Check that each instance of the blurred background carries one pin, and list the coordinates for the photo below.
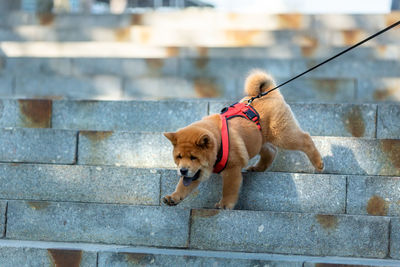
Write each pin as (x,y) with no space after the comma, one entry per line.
(160,49)
(282,6)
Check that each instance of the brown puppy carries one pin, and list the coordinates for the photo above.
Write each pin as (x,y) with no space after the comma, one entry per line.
(196,146)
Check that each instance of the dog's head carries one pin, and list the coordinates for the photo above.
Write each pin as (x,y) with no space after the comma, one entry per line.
(194,152)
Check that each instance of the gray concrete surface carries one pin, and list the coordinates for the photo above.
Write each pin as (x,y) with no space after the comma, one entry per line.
(290,233)
(97,223)
(100,184)
(37,145)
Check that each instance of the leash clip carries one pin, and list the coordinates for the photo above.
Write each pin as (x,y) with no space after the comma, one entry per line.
(252,99)
(249,102)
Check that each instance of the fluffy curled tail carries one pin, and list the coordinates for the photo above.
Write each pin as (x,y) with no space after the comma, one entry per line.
(258,82)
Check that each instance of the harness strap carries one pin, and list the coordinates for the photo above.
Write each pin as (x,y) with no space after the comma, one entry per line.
(227,113)
(223,153)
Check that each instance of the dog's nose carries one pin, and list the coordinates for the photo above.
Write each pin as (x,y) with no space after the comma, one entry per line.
(184,171)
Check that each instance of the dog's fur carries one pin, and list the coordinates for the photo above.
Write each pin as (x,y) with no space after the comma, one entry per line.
(196,146)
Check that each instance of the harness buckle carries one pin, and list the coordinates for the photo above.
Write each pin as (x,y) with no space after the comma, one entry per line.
(250,114)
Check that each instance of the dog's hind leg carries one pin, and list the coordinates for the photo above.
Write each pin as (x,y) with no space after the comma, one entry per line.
(299,140)
(267,156)
(232,180)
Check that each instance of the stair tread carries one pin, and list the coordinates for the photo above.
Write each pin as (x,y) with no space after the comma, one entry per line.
(35,250)
(342,155)
(269,191)
(319,119)
(210,229)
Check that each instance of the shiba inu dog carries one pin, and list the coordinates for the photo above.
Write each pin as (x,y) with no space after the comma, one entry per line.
(199,147)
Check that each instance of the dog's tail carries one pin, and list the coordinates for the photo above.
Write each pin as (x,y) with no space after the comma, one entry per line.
(258,82)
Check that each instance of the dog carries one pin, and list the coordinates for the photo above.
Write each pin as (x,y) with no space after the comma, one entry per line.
(196,147)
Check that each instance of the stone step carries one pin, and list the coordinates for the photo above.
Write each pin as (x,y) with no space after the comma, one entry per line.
(32,256)
(202,18)
(96,184)
(268,191)
(196,67)
(291,233)
(98,223)
(38,145)
(123,50)
(18,253)
(359,120)
(341,80)
(303,193)
(246,231)
(112,87)
(342,155)
(207,36)
(104,184)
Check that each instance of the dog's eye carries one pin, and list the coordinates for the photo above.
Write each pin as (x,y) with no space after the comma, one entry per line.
(179,156)
(193,158)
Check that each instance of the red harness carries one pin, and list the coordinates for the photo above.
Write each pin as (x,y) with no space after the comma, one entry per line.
(227,113)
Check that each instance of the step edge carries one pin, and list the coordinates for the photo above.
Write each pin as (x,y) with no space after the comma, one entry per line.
(103,248)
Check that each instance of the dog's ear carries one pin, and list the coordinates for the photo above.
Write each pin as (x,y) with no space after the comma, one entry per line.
(171,137)
(204,141)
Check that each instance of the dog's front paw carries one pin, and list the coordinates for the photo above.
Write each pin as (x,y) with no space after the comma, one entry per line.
(225,205)
(171,200)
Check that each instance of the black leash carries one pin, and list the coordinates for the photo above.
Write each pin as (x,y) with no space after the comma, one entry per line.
(326,61)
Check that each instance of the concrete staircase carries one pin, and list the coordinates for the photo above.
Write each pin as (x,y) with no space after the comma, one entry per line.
(92,178)
(82,180)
